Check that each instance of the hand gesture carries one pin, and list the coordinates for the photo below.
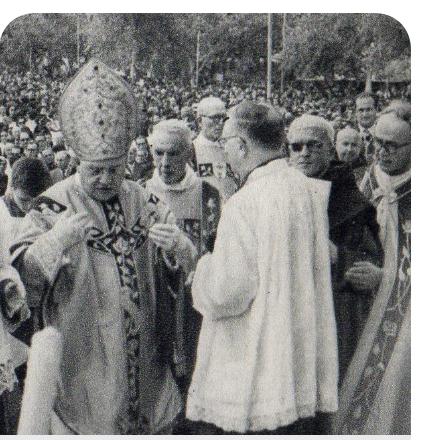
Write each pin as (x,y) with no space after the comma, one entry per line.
(71,228)
(166,236)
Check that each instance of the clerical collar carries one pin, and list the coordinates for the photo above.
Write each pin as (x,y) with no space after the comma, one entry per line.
(261,165)
(187,181)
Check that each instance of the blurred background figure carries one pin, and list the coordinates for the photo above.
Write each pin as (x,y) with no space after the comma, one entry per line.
(49,160)
(62,159)
(4,178)
(31,150)
(143,166)
(349,150)
(365,108)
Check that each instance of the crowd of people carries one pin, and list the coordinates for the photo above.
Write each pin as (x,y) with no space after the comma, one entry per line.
(202,261)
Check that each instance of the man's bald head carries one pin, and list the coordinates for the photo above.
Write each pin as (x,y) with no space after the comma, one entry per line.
(212,114)
(261,123)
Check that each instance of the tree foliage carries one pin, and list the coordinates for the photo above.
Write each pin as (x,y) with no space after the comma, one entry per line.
(165,45)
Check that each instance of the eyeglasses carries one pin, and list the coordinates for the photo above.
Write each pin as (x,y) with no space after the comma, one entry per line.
(217,118)
(298,147)
(223,141)
(389,146)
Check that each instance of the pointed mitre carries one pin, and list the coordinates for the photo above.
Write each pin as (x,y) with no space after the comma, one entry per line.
(98,113)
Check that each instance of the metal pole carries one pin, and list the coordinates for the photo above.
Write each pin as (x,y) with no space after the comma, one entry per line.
(269,59)
(197,57)
(78,39)
(30,58)
(283,53)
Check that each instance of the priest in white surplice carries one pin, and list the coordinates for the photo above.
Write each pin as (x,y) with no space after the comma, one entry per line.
(267,354)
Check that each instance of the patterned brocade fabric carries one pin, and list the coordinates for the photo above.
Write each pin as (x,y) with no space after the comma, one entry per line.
(121,243)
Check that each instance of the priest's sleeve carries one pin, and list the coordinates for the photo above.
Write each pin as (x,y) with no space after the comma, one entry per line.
(225,282)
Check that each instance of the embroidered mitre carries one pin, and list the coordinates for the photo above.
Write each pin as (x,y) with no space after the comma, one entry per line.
(98,113)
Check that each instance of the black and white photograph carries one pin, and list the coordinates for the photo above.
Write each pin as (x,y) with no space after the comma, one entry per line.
(205,224)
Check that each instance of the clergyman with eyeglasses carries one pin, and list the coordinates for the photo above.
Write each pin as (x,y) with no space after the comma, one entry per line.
(377,387)
(358,256)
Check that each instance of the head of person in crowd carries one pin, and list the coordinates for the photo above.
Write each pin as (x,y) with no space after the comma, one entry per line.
(62,160)
(171,145)
(3,165)
(101,139)
(253,134)
(212,113)
(310,144)
(348,145)
(39,138)
(15,154)
(3,136)
(365,107)
(31,150)
(15,131)
(392,140)
(12,111)
(30,178)
(401,108)
(131,155)
(48,157)
(8,150)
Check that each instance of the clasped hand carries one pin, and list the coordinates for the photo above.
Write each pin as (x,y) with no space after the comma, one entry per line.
(364,275)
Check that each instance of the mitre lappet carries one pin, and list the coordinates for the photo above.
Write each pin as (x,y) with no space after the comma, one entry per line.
(98,113)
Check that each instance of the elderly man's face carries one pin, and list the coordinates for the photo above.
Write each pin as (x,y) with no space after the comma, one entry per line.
(366,112)
(102,180)
(212,125)
(348,147)
(170,158)
(310,152)
(48,156)
(3,136)
(393,151)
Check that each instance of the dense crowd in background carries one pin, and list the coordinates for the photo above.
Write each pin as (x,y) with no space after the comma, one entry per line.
(29,124)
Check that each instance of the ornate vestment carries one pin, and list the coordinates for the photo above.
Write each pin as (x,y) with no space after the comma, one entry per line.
(375,397)
(102,295)
(196,206)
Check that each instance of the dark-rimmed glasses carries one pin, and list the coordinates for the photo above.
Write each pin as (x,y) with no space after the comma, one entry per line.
(217,117)
(389,146)
(298,147)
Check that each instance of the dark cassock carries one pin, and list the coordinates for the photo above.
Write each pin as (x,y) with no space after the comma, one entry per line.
(354,231)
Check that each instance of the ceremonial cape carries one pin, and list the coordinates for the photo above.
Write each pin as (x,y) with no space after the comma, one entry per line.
(375,396)
(102,297)
(212,166)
